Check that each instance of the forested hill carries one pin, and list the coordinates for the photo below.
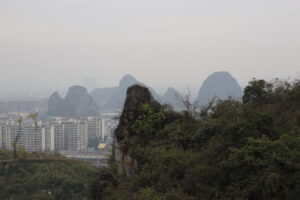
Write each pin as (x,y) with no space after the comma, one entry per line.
(36,176)
(247,150)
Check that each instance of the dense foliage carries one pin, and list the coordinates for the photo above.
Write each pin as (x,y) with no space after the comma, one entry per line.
(235,150)
(36,176)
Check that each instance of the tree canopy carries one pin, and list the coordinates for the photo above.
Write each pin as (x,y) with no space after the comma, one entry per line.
(247,150)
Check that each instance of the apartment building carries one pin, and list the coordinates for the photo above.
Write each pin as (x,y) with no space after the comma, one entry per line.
(55,134)
(94,130)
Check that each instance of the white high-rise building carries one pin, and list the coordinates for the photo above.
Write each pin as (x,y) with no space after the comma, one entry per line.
(56,134)
(5,138)
(28,137)
(2,139)
(94,130)
(33,138)
(14,133)
(49,138)
(70,130)
(76,135)
(82,135)
(59,137)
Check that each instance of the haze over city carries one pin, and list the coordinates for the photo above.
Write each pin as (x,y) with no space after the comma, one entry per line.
(50,45)
(156,99)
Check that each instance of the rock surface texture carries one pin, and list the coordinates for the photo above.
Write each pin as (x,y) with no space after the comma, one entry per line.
(136,97)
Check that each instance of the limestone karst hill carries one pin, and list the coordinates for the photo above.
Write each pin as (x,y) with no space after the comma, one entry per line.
(221,85)
(77,103)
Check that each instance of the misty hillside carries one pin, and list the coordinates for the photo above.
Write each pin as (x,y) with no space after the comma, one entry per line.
(77,103)
(103,95)
(116,96)
(220,85)
(173,98)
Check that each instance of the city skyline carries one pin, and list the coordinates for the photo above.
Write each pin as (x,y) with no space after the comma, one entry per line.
(56,134)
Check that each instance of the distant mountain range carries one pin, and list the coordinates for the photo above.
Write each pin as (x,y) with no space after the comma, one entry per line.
(79,103)
(219,84)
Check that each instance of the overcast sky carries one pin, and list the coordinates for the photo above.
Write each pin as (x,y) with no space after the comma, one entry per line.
(51,44)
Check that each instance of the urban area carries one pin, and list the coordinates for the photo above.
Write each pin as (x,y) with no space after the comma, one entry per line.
(87,138)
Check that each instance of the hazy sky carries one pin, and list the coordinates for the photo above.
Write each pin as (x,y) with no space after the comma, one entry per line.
(51,44)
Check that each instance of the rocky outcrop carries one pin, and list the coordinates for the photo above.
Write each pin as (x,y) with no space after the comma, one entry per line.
(77,103)
(116,101)
(220,85)
(136,97)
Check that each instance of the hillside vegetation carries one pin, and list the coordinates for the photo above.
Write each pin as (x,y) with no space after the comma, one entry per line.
(36,176)
(231,150)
